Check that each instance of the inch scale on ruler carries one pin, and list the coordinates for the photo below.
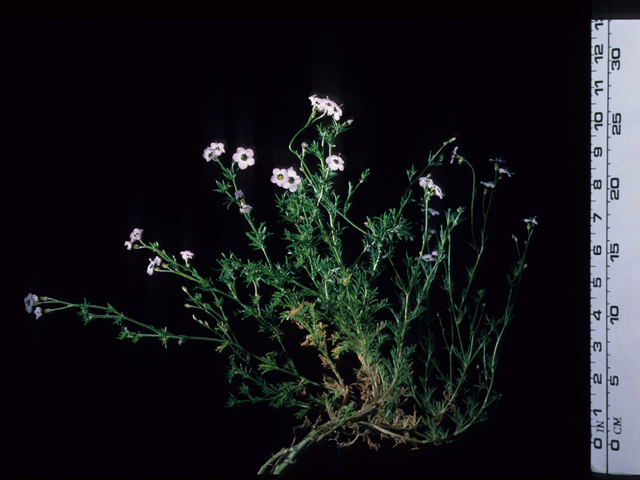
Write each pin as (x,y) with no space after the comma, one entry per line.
(615,246)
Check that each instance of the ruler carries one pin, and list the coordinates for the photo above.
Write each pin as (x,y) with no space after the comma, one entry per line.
(615,246)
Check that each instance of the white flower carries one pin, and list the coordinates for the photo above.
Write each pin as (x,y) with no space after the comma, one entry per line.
(429,257)
(214,151)
(218,149)
(488,184)
(335,162)
(244,157)
(280,177)
(326,105)
(29,301)
(135,235)
(426,182)
(38,312)
(293,180)
(531,220)
(186,255)
(155,262)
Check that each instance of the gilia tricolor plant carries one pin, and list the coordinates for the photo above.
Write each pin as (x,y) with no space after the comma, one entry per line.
(414,367)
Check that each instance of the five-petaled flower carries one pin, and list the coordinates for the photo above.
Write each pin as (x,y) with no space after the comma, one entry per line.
(293,180)
(531,220)
(239,194)
(135,235)
(488,184)
(186,255)
(29,301)
(244,157)
(506,172)
(153,264)
(245,208)
(280,177)
(335,162)
(214,151)
(38,312)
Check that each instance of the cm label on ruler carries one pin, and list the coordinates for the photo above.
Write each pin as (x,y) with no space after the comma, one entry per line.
(615,247)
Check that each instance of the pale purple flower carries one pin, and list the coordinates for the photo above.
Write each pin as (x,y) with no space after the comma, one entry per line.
(429,257)
(326,105)
(135,235)
(293,180)
(496,160)
(488,184)
(531,220)
(239,194)
(315,101)
(246,208)
(186,255)
(128,244)
(331,107)
(29,301)
(426,182)
(506,172)
(280,177)
(153,264)
(454,154)
(433,212)
(336,112)
(335,162)
(218,148)
(38,312)
(244,157)
(214,151)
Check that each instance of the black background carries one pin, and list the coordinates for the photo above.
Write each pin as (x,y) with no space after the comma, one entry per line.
(105,124)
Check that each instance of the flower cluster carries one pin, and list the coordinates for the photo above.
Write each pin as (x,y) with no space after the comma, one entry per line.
(213,152)
(426,182)
(326,105)
(243,156)
(29,302)
(501,170)
(428,257)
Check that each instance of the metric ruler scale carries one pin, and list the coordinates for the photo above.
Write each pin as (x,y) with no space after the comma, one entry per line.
(615,246)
